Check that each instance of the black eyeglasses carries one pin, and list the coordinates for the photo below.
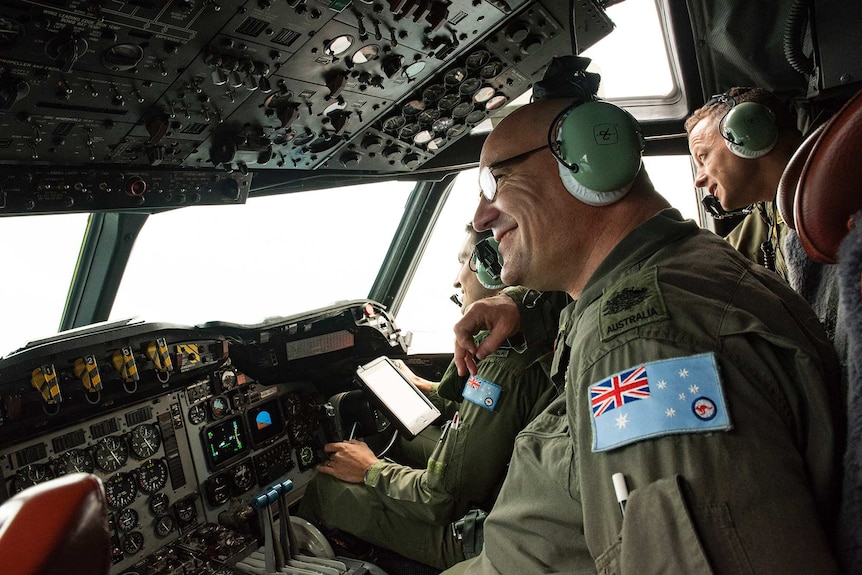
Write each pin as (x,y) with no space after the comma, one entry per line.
(487,179)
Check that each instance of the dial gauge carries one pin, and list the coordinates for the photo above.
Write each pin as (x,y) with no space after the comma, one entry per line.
(152,475)
(133,542)
(111,453)
(300,430)
(219,406)
(145,440)
(30,475)
(392,124)
(197,414)
(228,380)
(242,477)
(159,504)
(120,490)
(127,519)
(76,461)
(164,525)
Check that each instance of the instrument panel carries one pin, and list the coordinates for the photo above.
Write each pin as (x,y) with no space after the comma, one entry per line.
(183,451)
(146,104)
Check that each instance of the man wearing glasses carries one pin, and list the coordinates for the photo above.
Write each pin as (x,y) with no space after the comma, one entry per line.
(700,427)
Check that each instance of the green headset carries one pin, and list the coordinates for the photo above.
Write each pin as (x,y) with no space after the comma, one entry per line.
(749,129)
(489,263)
(598,147)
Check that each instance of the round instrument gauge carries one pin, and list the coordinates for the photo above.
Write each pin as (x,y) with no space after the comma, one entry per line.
(30,475)
(152,475)
(197,414)
(219,406)
(120,490)
(76,461)
(478,59)
(442,125)
(490,70)
(111,453)
(306,456)
(433,93)
(228,380)
(462,109)
(408,131)
(469,86)
(412,108)
(218,489)
(300,430)
(133,542)
(293,402)
(163,526)
(455,77)
(429,115)
(186,510)
(145,440)
(448,102)
(127,519)
(393,124)
(159,504)
(242,477)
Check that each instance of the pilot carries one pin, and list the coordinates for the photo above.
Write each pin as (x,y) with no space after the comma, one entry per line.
(741,142)
(412,511)
(699,429)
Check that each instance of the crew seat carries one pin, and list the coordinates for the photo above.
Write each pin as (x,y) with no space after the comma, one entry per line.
(820,196)
(59,527)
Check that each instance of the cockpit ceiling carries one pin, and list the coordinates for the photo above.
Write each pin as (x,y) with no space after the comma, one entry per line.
(254,84)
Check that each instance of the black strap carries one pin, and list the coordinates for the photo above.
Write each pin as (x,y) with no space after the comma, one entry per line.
(473,533)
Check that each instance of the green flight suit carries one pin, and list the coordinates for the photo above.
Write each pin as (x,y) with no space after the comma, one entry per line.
(759,497)
(410,510)
(753,230)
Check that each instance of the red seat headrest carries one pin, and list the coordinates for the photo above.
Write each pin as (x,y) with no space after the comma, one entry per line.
(59,527)
(829,192)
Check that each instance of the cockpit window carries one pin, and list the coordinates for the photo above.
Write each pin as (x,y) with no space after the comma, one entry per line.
(273,256)
(39,258)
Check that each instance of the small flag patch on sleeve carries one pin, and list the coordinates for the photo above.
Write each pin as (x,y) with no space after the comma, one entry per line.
(482,392)
(680,395)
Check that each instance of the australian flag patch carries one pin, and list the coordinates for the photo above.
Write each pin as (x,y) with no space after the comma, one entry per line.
(482,392)
(681,395)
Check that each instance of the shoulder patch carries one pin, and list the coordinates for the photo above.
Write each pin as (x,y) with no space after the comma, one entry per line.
(681,395)
(482,392)
(631,302)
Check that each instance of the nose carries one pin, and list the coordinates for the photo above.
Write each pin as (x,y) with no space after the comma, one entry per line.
(484,215)
(700,178)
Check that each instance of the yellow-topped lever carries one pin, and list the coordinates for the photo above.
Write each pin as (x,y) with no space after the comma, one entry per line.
(158,353)
(87,370)
(45,380)
(124,362)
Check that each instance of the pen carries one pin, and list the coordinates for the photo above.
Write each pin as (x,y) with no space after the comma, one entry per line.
(622,491)
(353,431)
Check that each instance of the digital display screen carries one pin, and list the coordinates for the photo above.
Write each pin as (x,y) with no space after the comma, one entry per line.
(264,421)
(225,441)
(404,404)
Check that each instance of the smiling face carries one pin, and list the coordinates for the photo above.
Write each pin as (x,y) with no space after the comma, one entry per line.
(532,215)
(736,182)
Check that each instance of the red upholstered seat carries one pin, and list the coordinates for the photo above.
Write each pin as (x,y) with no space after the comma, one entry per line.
(56,527)
(829,191)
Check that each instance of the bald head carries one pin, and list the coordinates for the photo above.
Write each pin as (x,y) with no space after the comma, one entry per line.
(524,129)
(549,239)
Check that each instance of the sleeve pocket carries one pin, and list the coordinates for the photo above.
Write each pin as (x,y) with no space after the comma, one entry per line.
(658,535)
